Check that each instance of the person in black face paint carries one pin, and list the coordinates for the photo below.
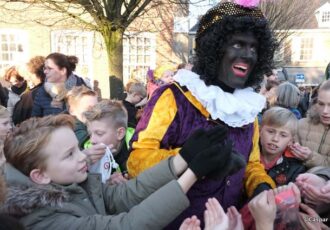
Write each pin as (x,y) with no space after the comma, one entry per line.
(234,48)
(239,59)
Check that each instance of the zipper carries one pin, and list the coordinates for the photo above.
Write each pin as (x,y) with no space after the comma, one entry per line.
(323,139)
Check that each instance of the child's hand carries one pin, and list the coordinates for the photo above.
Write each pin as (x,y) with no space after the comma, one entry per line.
(235,219)
(306,217)
(214,216)
(95,153)
(316,195)
(301,152)
(192,223)
(263,208)
(310,186)
(325,193)
(311,179)
(116,178)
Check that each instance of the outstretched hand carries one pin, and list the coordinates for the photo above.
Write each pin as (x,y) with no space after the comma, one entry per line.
(306,217)
(263,209)
(214,216)
(202,139)
(192,223)
(311,187)
(216,219)
(234,162)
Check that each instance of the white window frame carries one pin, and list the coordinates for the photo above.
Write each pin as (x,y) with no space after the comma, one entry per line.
(85,54)
(297,49)
(133,66)
(306,53)
(19,42)
(325,18)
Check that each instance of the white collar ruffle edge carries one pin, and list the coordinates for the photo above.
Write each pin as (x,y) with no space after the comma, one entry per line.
(235,109)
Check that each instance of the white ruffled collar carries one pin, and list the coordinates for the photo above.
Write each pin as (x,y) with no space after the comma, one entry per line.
(235,109)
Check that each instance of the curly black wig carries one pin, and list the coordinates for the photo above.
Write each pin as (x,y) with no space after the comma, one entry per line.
(211,45)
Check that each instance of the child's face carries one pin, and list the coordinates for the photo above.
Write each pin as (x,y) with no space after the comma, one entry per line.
(5,127)
(65,163)
(102,131)
(274,141)
(167,76)
(323,106)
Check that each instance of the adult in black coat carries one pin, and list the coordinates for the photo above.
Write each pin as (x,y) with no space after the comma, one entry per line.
(23,108)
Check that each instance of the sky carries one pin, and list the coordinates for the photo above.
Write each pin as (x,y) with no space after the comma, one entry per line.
(199,7)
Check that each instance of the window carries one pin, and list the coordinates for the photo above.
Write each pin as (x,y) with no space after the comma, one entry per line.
(326,16)
(75,43)
(139,54)
(12,47)
(306,49)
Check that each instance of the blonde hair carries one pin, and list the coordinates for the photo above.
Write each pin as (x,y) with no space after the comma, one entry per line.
(325,85)
(23,148)
(313,113)
(112,109)
(4,113)
(280,117)
(77,92)
(288,95)
(159,71)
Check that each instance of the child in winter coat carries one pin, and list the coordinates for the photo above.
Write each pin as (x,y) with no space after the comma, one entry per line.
(49,188)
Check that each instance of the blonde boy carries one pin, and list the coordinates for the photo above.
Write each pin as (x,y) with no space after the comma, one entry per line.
(278,130)
(48,185)
(5,123)
(107,124)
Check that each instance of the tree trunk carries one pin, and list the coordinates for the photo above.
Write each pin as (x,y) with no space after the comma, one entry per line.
(114,47)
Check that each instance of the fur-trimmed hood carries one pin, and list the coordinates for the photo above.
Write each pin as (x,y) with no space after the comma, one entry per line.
(23,196)
(313,115)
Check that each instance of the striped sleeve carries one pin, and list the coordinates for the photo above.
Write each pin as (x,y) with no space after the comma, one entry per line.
(146,151)
(255,173)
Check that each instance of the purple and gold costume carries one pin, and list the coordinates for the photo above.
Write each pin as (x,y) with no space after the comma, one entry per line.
(170,117)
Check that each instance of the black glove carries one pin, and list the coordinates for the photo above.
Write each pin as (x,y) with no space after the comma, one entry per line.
(233,165)
(208,161)
(201,140)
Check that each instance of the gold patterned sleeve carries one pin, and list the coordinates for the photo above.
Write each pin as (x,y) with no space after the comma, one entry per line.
(255,173)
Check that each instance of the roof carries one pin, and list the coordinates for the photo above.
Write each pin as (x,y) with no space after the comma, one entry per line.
(193,29)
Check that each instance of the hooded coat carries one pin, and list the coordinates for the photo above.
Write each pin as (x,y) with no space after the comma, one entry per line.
(314,135)
(150,201)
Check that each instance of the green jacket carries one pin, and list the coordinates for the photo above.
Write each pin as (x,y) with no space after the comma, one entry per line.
(150,201)
(81,133)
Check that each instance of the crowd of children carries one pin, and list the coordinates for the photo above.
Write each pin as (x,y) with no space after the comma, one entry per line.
(197,148)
